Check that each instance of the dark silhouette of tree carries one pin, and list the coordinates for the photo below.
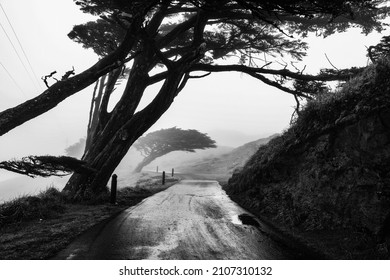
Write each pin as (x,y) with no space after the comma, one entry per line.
(46,166)
(177,39)
(382,49)
(164,141)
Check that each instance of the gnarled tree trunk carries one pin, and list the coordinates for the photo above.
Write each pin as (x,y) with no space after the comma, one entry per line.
(123,127)
(148,159)
(143,163)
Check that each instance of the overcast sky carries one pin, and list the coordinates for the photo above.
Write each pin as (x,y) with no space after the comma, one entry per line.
(220,102)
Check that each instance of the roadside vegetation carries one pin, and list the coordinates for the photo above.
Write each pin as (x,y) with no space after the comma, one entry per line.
(325,180)
(38,227)
(363,95)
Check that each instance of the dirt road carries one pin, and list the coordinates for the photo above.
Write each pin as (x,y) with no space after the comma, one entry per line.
(193,219)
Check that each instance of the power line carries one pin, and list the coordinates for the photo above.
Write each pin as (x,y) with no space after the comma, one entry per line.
(20,59)
(12,78)
(26,57)
(21,47)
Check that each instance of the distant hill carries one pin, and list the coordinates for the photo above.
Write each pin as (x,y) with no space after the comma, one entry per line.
(225,163)
(215,163)
(179,159)
(232,138)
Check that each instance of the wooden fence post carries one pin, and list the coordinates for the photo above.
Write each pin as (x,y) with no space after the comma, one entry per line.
(113,188)
(173,171)
(163,178)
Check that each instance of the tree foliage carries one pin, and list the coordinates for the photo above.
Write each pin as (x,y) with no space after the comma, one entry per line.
(103,36)
(382,49)
(46,166)
(164,141)
(246,29)
(260,34)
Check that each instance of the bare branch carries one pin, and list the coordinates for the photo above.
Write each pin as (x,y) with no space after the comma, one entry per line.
(158,78)
(279,86)
(298,108)
(265,65)
(44,78)
(200,76)
(183,82)
(68,74)
(331,62)
(303,69)
(343,74)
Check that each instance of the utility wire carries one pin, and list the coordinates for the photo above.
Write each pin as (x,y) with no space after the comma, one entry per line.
(21,47)
(20,59)
(12,78)
(25,55)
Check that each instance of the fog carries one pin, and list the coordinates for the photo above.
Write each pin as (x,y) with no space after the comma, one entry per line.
(232,108)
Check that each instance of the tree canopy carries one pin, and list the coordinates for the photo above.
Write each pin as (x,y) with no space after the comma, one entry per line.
(240,28)
(382,49)
(257,33)
(164,141)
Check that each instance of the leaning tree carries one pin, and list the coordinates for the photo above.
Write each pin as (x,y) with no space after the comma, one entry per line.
(164,141)
(169,42)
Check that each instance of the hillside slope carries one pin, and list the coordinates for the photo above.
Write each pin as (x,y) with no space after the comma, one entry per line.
(226,163)
(180,159)
(326,181)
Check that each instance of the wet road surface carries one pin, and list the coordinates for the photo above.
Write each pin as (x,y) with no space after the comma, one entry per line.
(193,219)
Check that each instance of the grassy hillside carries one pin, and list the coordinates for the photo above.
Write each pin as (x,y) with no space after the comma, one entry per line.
(326,180)
(226,163)
(24,185)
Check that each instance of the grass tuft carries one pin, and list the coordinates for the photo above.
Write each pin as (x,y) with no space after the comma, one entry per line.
(47,204)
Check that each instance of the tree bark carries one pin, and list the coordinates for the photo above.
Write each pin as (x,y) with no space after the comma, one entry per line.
(124,126)
(94,110)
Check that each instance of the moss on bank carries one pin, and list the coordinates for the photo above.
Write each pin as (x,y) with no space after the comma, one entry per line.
(326,180)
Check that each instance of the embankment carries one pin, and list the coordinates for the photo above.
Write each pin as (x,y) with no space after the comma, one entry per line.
(326,180)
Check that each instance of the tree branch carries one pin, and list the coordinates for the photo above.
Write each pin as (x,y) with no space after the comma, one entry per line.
(200,76)
(343,74)
(13,117)
(331,62)
(45,166)
(109,89)
(278,85)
